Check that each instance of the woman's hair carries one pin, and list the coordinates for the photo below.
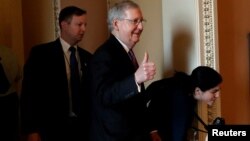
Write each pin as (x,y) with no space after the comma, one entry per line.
(205,78)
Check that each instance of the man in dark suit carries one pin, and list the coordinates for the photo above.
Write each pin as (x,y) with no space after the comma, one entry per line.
(49,111)
(118,102)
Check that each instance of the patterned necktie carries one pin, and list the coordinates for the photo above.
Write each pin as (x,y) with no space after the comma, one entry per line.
(74,81)
(133,59)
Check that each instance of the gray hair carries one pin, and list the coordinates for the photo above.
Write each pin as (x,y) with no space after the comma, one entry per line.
(118,11)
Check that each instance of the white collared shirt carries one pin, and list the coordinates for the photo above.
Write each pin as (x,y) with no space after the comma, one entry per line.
(66,51)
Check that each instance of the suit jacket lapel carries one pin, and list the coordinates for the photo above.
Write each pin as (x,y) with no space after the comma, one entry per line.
(121,52)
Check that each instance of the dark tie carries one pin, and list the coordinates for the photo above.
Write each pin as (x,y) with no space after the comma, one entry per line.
(135,63)
(133,59)
(74,81)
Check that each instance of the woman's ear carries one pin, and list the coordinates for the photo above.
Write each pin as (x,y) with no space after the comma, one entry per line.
(197,93)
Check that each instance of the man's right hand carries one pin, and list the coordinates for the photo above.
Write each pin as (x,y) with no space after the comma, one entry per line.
(146,70)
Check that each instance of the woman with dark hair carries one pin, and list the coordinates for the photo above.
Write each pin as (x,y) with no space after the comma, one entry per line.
(173,102)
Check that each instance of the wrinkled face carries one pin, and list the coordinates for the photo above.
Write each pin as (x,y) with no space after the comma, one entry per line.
(73,31)
(208,96)
(129,28)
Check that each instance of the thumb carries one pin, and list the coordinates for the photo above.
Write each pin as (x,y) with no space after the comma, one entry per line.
(145,59)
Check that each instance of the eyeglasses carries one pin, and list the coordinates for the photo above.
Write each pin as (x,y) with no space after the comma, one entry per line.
(135,21)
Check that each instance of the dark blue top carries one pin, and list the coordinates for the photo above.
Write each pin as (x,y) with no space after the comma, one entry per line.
(171,108)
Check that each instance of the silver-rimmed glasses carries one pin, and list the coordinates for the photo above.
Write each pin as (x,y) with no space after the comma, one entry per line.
(135,21)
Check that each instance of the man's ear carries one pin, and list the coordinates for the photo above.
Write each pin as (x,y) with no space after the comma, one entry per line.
(115,23)
(64,23)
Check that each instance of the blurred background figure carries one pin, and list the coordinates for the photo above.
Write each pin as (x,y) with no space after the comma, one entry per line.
(10,74)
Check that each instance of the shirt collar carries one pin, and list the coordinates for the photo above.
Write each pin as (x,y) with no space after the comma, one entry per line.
(123,45)
(66,46)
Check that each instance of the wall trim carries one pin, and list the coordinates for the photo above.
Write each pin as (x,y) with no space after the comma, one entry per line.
(208,52)
(56,7)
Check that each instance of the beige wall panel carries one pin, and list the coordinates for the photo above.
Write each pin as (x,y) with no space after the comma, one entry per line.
(11,33)
(38,23)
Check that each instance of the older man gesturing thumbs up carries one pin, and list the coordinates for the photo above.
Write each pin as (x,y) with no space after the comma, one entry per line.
(118,100)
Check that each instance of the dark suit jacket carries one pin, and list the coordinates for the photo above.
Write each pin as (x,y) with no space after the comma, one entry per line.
(45,97)
(118,107)
(171,107)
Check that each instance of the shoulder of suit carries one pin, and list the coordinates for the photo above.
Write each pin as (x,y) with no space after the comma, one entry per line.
(86,52)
